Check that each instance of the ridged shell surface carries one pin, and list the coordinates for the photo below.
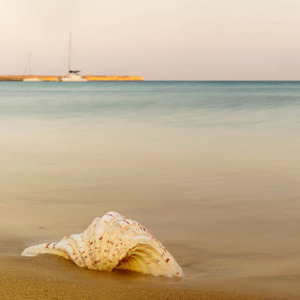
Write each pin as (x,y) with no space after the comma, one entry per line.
(113,242)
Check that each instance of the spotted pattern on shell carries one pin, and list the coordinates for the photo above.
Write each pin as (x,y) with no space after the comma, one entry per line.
(113,242)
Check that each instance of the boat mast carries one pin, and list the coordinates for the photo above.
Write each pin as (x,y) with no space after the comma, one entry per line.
(70,44)
(30,64)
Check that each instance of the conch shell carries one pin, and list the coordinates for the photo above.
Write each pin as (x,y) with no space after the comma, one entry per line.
(113,242)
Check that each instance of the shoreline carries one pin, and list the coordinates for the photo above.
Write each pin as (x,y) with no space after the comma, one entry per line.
(47,276)
(57,78)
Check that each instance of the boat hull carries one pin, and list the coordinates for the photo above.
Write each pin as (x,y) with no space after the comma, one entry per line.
(73,79)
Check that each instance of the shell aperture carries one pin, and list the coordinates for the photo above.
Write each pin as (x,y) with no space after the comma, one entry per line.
(113,242)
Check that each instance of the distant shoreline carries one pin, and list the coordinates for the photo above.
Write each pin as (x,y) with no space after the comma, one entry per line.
(57,78)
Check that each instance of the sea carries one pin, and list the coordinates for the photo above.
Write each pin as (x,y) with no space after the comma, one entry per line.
(212,169)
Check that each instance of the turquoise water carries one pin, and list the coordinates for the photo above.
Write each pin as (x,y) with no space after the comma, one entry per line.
(208,167)
(192,122)
(198,105)
(157,98)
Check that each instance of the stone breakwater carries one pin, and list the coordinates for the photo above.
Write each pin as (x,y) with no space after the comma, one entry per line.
(57,78)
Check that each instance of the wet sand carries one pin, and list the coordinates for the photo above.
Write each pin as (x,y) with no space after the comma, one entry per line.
(222,255)
(56,278)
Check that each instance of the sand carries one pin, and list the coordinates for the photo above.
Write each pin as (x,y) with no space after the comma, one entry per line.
(55,278)
(208,274)
(228,249)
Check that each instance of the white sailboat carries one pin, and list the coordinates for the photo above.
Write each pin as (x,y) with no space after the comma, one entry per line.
(73,75)
(29,69)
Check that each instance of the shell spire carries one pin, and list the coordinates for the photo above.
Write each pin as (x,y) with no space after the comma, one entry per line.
(114,242)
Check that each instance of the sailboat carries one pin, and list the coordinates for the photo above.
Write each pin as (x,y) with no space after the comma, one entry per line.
(29,67)
(73,75)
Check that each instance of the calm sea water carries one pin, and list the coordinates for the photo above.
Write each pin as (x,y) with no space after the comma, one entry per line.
(149,99)
(211,168)
(272,108)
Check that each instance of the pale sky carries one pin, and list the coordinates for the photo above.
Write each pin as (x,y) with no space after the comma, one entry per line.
(157,39)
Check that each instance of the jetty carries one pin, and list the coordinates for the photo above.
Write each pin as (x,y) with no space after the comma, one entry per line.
(59,78)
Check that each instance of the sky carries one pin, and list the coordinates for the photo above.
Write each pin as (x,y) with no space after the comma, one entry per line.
(156,39)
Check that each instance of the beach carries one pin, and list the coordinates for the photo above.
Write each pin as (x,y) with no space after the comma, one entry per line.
(210,169)
(55,278)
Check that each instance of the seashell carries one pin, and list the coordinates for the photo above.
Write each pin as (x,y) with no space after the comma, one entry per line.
(113,242)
